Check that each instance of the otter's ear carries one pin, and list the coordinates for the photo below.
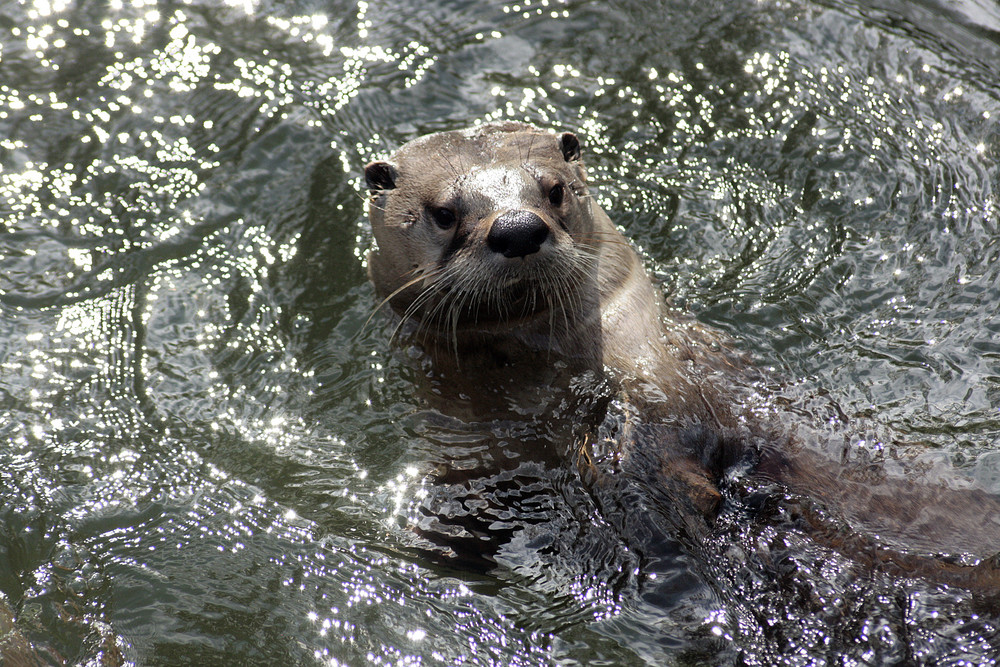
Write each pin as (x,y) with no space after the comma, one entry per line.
(570,146)
(380,176)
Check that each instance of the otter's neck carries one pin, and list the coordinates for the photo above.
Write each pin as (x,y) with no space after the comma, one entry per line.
(636,353)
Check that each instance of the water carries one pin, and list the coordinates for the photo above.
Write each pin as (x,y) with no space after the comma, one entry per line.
(208,457)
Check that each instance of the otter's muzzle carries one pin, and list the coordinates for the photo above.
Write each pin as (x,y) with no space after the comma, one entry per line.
(517,234)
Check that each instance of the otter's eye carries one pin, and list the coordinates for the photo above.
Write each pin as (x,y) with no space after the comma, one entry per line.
(556,195)
(443,217)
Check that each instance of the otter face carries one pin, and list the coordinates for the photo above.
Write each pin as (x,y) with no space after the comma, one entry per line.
(481,226)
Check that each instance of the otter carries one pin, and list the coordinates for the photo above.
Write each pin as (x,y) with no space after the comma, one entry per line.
(500,264)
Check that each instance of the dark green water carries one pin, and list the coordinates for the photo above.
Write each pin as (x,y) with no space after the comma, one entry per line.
(206,457)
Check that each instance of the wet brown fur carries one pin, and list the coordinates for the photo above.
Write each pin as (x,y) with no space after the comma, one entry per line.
(495,326)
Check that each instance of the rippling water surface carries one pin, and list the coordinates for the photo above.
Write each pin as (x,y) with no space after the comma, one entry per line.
(208,457)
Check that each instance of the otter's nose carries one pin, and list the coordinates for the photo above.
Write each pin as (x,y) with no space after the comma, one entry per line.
(517,234)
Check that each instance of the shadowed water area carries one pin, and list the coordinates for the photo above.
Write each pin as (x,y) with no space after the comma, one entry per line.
(212,453)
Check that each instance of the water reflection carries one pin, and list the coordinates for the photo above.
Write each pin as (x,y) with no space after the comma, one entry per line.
(207,456)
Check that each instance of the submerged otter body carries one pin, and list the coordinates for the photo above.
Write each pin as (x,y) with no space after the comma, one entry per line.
(492,251)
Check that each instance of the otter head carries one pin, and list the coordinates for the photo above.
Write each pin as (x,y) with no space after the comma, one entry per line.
(483,228)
